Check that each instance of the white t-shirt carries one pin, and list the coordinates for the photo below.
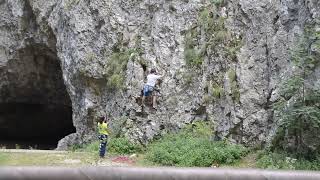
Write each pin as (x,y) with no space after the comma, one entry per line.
(152,79)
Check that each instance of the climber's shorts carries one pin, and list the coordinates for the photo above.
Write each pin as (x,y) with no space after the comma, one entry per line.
(147,90)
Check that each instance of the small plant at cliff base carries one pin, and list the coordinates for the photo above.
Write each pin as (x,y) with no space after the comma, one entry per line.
(116,68)
(192,147)
(299,106)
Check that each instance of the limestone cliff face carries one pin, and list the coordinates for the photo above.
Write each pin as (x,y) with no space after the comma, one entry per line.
(106,47)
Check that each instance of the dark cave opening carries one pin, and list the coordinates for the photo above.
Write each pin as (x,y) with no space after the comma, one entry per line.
(36,126)
(35,108)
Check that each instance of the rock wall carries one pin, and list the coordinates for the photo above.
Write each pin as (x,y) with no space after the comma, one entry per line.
(271,30)
(88,36)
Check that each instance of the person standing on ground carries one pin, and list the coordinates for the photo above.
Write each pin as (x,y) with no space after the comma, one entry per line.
(148,88)
(103,135)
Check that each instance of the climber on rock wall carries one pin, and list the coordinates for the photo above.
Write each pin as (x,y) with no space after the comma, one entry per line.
(149,87)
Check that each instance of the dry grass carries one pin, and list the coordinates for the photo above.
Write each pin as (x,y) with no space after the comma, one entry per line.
(79,159)
(69,159)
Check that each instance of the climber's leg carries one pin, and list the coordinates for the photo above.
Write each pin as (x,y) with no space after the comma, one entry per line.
(143,99)
(154,101)
(145,93)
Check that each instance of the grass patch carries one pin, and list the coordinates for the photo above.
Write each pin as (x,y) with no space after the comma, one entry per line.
(3,158)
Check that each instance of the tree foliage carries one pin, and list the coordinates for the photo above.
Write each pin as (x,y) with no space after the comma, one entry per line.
(298,109)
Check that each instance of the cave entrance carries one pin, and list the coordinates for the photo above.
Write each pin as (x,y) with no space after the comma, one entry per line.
(35,108)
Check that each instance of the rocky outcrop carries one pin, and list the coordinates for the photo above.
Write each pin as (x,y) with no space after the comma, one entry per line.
(105,49)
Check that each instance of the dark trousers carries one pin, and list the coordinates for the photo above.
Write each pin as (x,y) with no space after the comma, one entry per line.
(103,144)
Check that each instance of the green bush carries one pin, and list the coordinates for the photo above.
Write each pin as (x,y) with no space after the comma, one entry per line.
(201,152)
(193,147)
(123,146)
(268,160)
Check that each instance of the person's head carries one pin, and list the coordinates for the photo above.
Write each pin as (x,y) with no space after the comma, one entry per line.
(101,119)
(153,71)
